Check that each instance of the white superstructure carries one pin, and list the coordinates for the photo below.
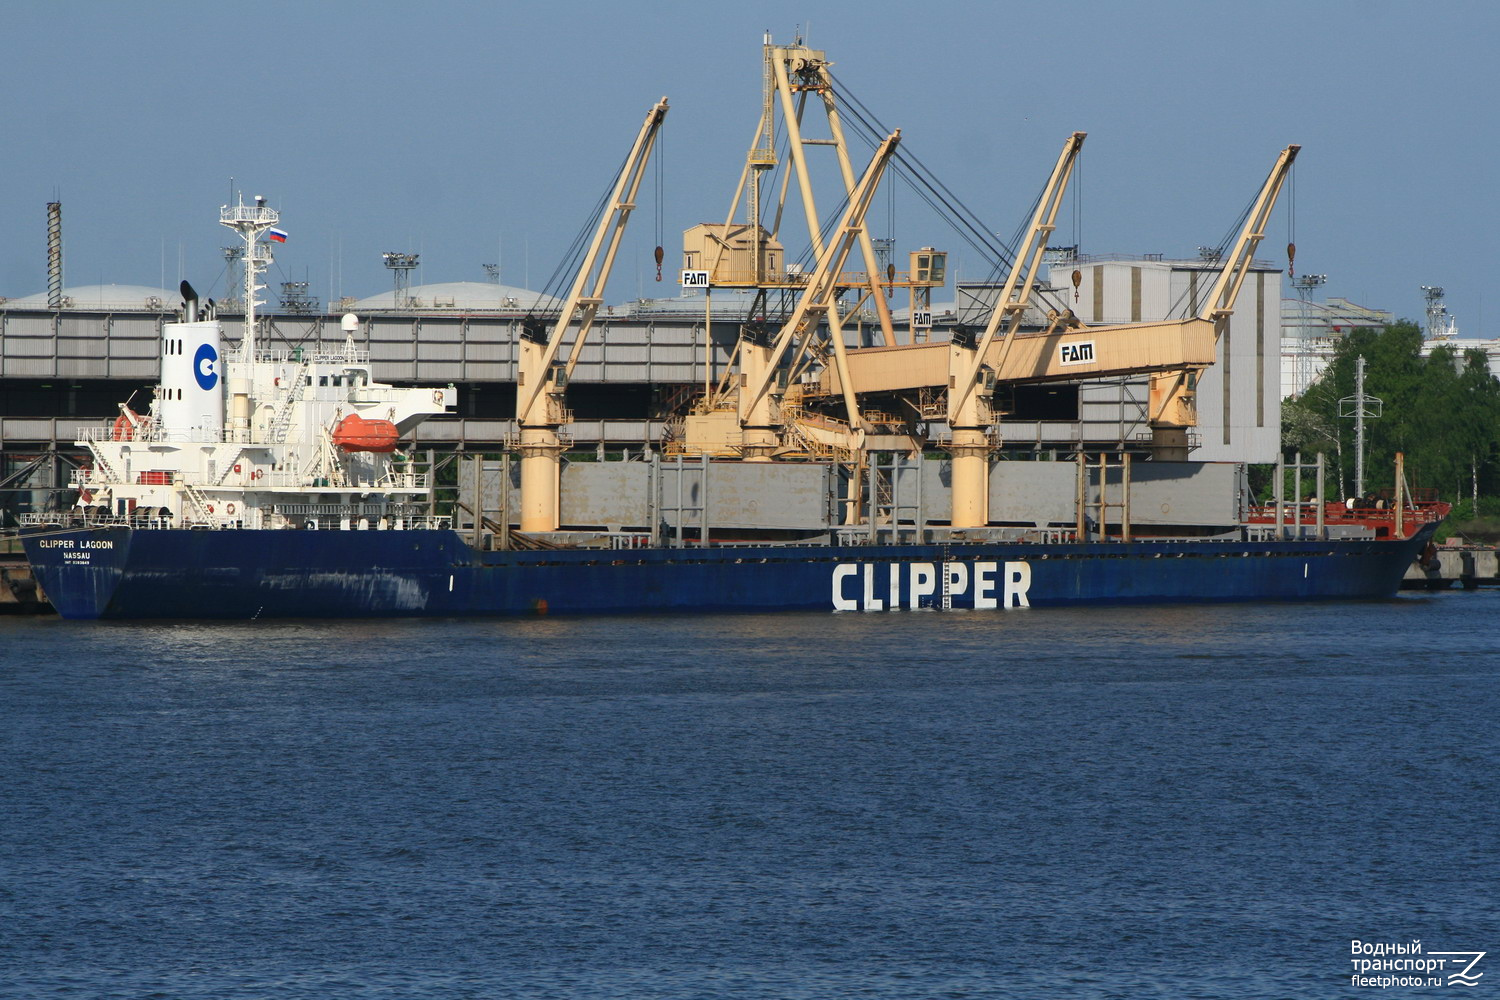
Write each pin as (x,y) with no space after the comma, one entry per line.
(241,436)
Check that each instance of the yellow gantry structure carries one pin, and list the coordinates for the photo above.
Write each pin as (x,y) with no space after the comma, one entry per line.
(971,380)
(757,414)
(759,363)
(750,254)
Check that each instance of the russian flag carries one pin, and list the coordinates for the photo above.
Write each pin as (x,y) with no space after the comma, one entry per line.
(277,236)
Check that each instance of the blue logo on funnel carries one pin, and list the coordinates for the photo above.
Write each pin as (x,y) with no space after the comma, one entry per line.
(203,367)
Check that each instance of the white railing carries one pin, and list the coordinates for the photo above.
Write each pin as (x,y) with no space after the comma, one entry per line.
(248,213)
(86,518)
(381,394)
(406,481)
(297,356)
(104,433)
(267,479)
(154,433)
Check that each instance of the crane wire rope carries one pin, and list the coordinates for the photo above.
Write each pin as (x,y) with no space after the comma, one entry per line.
(567,268)
(917,176)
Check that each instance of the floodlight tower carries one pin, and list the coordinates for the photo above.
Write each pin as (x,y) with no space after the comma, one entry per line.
(54,255)
(1440,326)
(251,222)
(401,265)
(1304,284)
(295,298)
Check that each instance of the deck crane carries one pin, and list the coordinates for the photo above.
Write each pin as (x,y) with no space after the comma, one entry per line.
(971,383)
(1172,352)
(1173,407)
(541,379)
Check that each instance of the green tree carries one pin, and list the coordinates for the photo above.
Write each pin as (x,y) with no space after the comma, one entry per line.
(1441,411)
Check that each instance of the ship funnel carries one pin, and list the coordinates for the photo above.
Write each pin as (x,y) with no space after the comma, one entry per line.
(190,398)
(189,303)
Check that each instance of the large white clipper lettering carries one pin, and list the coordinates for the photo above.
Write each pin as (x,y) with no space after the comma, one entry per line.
(887,586)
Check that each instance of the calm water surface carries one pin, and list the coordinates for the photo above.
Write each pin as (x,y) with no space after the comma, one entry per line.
(1182,802)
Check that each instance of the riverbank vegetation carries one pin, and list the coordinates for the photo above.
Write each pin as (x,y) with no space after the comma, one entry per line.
(1442,411)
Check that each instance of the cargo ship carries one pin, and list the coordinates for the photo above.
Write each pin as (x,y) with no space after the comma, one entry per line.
(817,475)
(274,484)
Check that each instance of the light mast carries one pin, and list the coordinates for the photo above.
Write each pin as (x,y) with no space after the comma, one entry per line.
(1440,325)
(251,222)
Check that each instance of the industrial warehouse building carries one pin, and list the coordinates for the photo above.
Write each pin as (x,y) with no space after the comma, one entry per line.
(71,362)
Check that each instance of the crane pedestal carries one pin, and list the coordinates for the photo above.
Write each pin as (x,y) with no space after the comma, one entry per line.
(1169,444)
(759,444)
(541,478)
(971,477)
(1174,411)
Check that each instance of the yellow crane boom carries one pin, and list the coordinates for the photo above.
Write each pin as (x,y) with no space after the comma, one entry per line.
(540,380)
(971,380)
(1171,351)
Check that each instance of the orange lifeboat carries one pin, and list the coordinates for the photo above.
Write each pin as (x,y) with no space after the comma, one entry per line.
(355,433)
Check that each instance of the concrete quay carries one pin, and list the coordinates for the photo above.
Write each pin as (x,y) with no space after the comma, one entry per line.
(1466,566)
(19,593)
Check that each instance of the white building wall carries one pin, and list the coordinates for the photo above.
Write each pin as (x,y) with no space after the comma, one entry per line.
(1239,419)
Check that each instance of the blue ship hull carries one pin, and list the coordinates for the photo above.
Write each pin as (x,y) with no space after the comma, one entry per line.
(125,573)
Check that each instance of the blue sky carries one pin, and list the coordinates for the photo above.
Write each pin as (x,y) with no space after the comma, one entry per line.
(477,132)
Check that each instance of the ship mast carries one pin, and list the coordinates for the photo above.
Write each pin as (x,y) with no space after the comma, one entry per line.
(251,222)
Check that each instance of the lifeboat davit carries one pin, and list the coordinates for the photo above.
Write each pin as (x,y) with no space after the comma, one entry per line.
(355,433)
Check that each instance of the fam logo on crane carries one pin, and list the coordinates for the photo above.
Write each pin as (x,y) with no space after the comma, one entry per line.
(1077,352)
